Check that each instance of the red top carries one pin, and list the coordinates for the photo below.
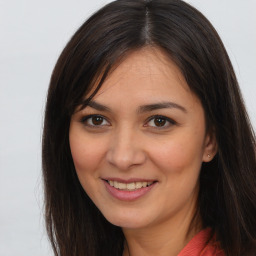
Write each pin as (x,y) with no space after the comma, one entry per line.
(200,245)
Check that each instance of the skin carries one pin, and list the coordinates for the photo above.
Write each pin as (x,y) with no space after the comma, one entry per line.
(129,143)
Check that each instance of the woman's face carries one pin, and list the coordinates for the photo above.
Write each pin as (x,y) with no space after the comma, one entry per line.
(138,147)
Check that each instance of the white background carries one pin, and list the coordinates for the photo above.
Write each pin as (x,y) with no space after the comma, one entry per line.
(32,35)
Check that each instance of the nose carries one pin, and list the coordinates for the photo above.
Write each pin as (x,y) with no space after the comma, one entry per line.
(126,149)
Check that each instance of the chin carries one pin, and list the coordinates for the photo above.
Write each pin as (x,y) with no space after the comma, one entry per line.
(127,223)
(130,220)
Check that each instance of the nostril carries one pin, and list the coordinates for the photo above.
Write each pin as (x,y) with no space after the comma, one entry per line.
(125,157)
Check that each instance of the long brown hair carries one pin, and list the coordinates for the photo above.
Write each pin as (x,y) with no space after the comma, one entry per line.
(227,198)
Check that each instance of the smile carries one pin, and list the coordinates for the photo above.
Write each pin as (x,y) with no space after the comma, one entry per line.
(128,190)
(129,186)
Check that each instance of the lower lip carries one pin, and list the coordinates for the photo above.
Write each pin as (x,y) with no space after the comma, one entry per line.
(126,195)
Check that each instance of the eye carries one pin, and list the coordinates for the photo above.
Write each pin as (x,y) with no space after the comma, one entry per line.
(160,122)
(95,120)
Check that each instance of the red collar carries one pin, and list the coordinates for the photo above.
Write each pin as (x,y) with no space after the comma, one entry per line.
(202,245)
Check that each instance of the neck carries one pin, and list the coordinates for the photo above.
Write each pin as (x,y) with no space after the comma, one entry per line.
(166,238)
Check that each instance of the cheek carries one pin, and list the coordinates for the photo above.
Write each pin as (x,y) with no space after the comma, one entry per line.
(179,154)
(86,155)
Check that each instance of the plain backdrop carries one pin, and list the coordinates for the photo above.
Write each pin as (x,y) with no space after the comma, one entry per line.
(32,35)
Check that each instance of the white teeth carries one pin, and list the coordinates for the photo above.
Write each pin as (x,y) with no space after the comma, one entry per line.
(115,184)
(138,185)
(129,186)
(121,185)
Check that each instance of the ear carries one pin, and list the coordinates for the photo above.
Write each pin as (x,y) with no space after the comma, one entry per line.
(210,147)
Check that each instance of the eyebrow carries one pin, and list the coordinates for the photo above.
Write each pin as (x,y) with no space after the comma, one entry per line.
(161,105)
(141,109)
(98,106)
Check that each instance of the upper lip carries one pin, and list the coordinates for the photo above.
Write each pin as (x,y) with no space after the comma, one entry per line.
(130,180)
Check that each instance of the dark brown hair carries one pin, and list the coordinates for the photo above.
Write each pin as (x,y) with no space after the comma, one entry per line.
(227,197)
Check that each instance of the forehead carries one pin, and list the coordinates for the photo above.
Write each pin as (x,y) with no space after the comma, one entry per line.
(144,72)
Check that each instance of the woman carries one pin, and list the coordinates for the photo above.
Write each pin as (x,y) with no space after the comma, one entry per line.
(147,146)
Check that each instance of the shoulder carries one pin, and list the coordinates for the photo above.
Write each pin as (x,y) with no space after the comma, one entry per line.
(212,250)
(202,244)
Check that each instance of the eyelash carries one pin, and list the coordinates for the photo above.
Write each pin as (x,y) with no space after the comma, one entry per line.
(85,119)
(166,120)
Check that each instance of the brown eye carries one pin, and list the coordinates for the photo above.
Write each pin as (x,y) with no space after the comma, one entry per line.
(97,120)
(159,122)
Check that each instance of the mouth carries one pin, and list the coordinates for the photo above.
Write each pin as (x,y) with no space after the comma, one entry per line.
(132,186)
(128,190)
